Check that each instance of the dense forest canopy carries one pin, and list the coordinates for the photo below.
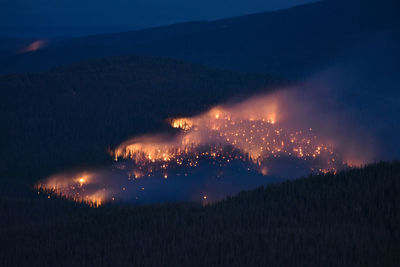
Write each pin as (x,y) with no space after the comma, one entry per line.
(348,219)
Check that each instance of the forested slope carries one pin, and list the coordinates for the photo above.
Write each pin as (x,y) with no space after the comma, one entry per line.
(348,219)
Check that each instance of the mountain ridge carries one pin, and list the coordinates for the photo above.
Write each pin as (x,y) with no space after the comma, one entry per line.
(290,42)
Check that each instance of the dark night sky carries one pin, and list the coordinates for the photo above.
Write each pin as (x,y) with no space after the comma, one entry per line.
(46,18)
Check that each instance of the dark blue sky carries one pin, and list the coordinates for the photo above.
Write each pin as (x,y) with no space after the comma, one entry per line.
(43,18)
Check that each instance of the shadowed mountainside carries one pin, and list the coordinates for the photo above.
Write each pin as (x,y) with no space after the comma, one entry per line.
(291,42)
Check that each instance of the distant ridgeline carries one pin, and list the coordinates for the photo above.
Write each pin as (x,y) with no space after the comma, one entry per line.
(72,114)
(292,42)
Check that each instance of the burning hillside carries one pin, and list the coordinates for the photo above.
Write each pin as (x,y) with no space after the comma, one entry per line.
(254,136)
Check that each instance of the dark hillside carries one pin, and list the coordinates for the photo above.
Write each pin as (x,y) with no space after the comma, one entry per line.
(291,42)
(348,219)
(71,114)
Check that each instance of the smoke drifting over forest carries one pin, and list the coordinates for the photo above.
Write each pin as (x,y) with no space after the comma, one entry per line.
(309,128)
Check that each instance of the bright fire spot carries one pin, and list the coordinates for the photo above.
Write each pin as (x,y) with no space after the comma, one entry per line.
(36,45)
(82,180)
(182,123)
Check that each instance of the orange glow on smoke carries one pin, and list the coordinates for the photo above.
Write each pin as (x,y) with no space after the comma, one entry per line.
(73,188)
(36,45)
(251,127)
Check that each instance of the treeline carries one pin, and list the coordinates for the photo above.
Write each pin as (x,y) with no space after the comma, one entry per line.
(72,114)
(348,219)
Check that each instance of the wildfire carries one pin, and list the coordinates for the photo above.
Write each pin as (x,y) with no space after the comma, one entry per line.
(255,138)
(254,132)
(74,188)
